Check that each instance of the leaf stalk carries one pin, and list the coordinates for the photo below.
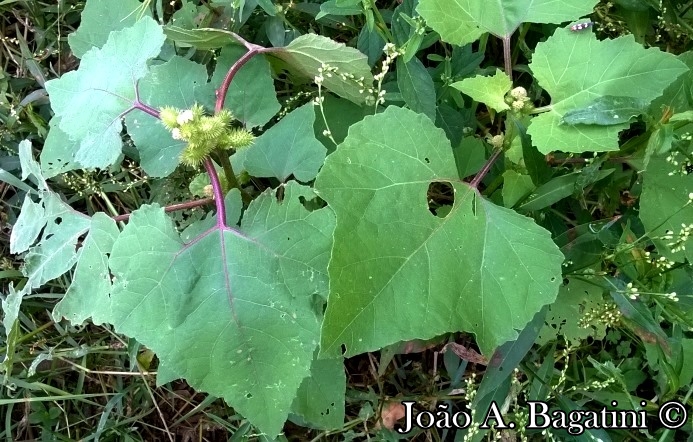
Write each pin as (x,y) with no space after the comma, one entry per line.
(484,170)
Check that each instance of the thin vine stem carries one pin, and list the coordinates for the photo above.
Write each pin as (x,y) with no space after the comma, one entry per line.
(172,208)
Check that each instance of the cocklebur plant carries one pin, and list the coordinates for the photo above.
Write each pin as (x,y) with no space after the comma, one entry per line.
(259,302)
(204,134)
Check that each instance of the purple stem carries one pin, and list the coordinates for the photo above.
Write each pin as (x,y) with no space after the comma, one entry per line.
(253,50)
(218,193)
(484,170)
(223,89)
(145,108)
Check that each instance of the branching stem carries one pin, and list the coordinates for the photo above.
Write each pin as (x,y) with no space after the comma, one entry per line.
(145,108)
(253,50)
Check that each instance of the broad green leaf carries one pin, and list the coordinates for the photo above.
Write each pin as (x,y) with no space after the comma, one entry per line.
(370,43)
(463,21)
(251,96)
(470,156)
(58,152)
(310,52)
(453,122)
(201,38)
(234,206)
(399,272)
(91,101)
(92,277)
(276,31)
(416,86)
(516,187)
(488,90)
(56,250)
(575,298)
(339,114)
(320,398)
(231,311)
(32,218)
(607,110)
(99,19)
(168,84)
(677,96)
(576,68)
(288,148)
(665,205)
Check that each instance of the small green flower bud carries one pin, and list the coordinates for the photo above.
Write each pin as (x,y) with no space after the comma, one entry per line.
(184,117)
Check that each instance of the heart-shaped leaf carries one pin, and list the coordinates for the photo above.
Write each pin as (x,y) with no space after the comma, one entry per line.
(231,311)
(91,100)
(399,272)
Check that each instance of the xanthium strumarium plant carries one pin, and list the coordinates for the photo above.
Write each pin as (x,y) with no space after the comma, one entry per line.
(259,303)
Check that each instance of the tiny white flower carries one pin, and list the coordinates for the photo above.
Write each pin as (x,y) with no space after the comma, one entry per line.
(184,117)
(175,133)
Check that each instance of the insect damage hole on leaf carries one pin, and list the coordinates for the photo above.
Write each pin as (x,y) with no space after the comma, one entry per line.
(441,198)
(312,204)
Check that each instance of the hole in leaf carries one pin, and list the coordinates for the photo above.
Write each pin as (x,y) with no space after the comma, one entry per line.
(248,396)
(58,220)
(441,198)
(312,204)
(427,161)
(344,349)
(80,242)
(279,194)
(47,237)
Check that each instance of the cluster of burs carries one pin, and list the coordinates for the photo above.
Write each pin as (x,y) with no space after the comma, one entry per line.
(204,133)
